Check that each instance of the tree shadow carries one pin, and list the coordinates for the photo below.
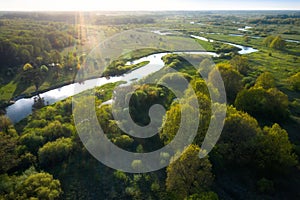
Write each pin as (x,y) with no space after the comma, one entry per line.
(21,87)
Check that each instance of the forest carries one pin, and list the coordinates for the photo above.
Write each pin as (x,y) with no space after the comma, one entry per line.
(256,157)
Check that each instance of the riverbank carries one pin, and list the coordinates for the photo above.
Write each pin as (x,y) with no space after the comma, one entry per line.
(4,103)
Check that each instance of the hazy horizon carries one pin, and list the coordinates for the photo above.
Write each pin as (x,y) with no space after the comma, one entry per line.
(143,5)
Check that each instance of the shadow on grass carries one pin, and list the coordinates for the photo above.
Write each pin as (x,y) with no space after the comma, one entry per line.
(21,87)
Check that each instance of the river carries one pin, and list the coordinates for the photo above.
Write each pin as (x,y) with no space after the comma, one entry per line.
(23,107)
(244,49)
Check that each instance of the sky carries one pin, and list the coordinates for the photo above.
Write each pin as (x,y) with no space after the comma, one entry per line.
(149,5)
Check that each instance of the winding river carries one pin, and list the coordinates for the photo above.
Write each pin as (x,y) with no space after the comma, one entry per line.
(23,107)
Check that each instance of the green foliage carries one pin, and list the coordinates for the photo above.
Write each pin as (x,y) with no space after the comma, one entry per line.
(205,67)
(30,185)
(32,141)
(268,40)
(119,67)
(203,196)
(27,67)
(40,186)
(123,141)
(5,124)
(189,174)
(265,80)
(54,152)
(278,43)
(137,165)
(270,104)
(274,151)
(49,134)
(222,48)
(235,142)
(295,81)
(34,74)
(274,42)
(44,69)
(240,63)
(232,80)
(55,130)
(171,124)
(179,63)
(173,80)
(9,156)
(143,98)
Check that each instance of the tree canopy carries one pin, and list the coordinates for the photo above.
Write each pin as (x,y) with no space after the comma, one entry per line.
(189,174)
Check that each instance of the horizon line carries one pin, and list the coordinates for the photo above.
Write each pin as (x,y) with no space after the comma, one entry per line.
(175,10)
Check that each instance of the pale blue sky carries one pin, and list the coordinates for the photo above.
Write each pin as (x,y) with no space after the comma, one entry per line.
(66,5)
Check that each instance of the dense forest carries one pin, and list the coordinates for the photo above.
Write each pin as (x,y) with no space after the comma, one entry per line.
(256,156)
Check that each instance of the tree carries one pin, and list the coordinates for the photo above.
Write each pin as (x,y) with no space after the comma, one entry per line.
(273,151)
(9,157)
(39,102)
(274,42)
(39,186)
(234,144)
(189,174)
(55,130)
(44,69)
(32,141)
(58,68)
(264,104)
(171,124)
(35,75)
(5,124)
(54,152)
(265,80)
(268,40)
(240,63)
(27,67)
(278,43)
(123,141)
(8,52)
(278,106)
(232,80)
(205,67)
(246,38)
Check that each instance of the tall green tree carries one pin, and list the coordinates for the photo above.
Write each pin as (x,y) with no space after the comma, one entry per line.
(274,152)
(232,80)
(189,174)
(265,80)
(234,145)
(54,152)
(240,63)
(278,43)
(270,104)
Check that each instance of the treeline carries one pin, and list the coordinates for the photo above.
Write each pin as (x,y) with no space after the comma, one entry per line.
(68,17)
(121,20)
(22,41)
(277,19)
